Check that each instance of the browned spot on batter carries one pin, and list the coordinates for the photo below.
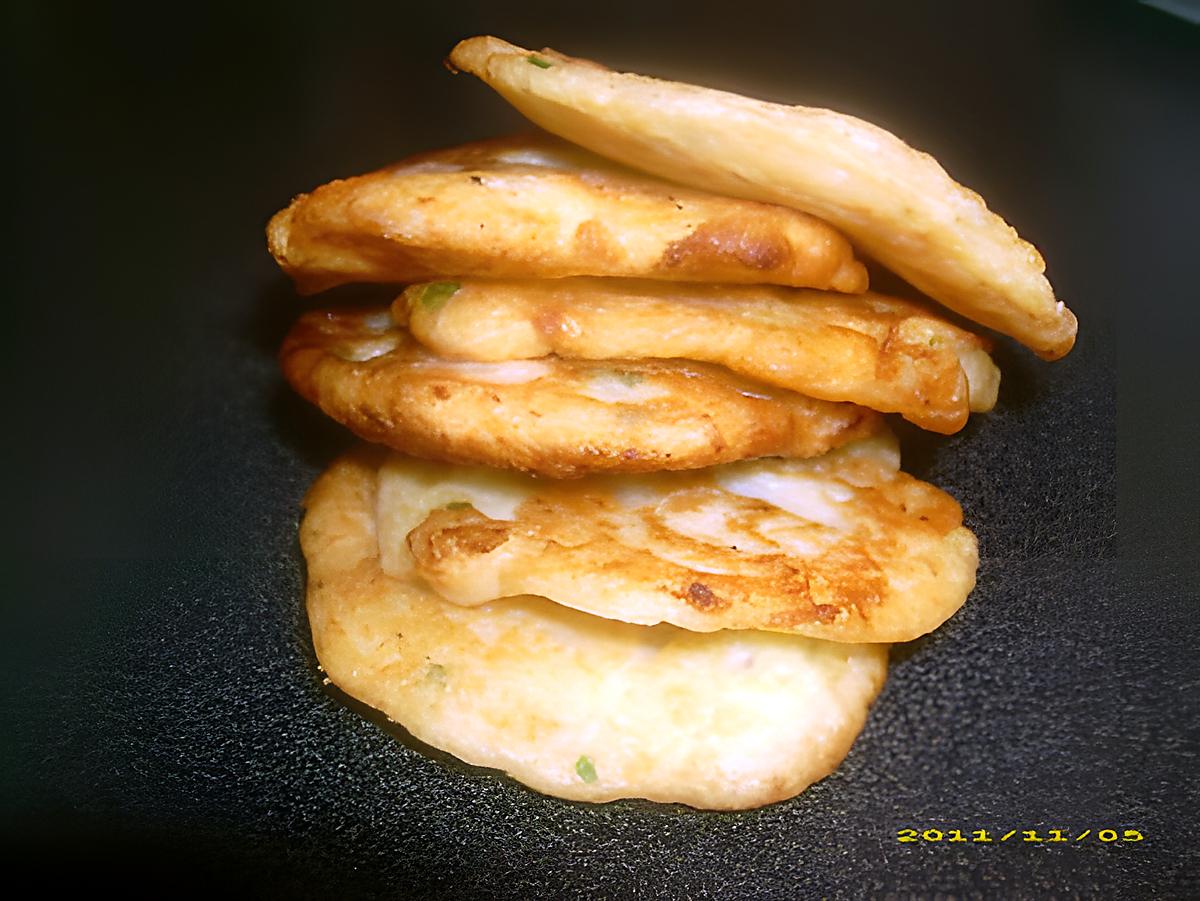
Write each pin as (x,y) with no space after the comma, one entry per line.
(937,379)
(375,416)
(593,240)
(853,584)
(729,241)
(826,613)
(477,539)
(701,597)
(859,582)
(441,392)
(548,320)
(455,533)
(797,616)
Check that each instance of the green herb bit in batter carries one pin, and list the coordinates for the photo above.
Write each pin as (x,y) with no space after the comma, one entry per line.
(435,295)
(628,378)
(624,376)
(458,505)
(539,62)
(436,675)
(585,768)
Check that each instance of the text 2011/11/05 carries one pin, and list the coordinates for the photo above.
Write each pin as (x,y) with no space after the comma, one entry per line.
(986,836)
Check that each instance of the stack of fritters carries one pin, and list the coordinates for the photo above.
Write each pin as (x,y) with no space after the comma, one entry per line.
(646,534)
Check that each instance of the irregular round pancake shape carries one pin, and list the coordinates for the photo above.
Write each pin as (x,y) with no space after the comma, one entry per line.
(535,206)
(843,547)
(553,417)
(880,352)
(569,704)
(895,203)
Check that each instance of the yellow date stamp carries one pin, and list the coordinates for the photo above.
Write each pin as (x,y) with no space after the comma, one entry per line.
(1107,836)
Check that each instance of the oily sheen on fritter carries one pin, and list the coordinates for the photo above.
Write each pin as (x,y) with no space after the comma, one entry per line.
(570,704)
(897,204)
(843,547)
(535,206)
(553,417)
(876,351)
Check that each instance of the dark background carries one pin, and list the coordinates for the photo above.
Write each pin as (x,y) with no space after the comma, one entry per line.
(164,722)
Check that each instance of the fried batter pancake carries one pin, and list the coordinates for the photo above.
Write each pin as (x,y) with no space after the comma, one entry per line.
(570,704)
(868,349)
(552,417)
(842,547)
(535,206)
(897,204)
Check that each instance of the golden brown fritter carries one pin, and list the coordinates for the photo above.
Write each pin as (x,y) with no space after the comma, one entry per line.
(553,417)
(843,547)
(880,352)
(571,704)
(535,206)
(897,204)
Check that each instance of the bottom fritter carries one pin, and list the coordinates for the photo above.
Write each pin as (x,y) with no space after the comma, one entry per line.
(570,704)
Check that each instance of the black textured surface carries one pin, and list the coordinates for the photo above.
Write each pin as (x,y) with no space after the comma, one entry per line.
(164,716)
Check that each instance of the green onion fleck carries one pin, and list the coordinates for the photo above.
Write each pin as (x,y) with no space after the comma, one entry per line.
(585,768)
(435,294)
(624,376)
(458,505)
(539,62)
(627,378)
(933,342)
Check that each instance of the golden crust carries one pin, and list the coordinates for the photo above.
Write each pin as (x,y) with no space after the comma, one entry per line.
(880,352)
(553,417)
(895,203)
(842,547)
(534,206)
(725,721)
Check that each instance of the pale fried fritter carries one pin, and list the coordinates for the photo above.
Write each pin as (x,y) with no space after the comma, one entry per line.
(535,206)
(882,353)
(571,704)
(842,547)
(895,203)
(553,417)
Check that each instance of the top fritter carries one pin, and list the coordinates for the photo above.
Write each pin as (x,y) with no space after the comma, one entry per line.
(536,207)
(897,204)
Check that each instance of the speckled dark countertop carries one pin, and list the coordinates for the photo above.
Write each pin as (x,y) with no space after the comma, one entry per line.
(164,718)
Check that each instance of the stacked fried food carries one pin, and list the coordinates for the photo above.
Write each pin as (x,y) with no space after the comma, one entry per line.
(631,523)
